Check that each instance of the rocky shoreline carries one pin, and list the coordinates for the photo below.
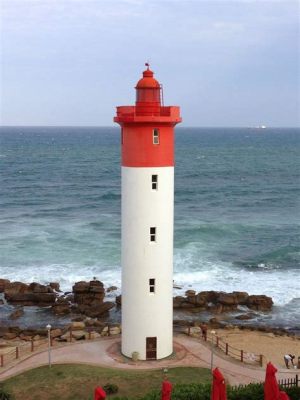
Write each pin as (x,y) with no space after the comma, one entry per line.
(89,313)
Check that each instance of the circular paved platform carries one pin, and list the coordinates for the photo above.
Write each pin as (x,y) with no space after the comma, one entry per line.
(114,351)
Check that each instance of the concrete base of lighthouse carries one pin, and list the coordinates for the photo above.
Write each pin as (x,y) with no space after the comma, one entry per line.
(147,264)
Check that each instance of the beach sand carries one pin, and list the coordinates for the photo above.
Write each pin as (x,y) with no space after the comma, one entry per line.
(272,346)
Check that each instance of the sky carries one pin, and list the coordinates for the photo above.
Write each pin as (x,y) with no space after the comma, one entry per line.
(225,63)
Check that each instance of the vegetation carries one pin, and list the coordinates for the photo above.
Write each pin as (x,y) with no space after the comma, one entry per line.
(254,391)
(110,388)
(77,382)
(293,392)
(74,382)
(4,395)
(203,392)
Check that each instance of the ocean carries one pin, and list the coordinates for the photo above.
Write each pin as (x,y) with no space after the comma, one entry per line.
(237,211)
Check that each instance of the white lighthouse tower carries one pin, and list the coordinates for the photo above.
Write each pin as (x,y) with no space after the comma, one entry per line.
(147,140)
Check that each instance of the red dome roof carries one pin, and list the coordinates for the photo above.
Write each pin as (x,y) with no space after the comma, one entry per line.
(147,80)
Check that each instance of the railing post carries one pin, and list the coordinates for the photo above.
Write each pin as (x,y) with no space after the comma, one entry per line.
(17,352)
(261,360)
(226,349)
(189,331)
(217,344)
(32,346)
(242,355)
(2,360)
(296,380)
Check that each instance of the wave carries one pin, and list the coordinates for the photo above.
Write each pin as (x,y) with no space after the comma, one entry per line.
(65,274)
(205,275)
(207,233)
(286,257)
(110,196)
(202,271)
(190,272)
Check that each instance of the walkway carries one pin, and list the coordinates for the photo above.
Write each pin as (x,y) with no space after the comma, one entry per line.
(104,353)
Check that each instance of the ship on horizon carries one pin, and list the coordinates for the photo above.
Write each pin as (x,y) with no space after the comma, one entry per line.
(261,127)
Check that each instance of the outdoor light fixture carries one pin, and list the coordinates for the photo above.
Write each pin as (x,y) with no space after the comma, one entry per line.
(48,327)
(212,349)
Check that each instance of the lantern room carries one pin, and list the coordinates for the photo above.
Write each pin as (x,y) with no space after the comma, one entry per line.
(148,94)
(148,89)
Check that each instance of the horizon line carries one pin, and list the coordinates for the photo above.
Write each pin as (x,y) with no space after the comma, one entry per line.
(179,127)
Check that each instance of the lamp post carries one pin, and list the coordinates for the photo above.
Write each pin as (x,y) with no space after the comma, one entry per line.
(48,327)
(212,349)
(212,359)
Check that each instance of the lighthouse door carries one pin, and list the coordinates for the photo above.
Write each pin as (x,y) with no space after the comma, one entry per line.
(151,348)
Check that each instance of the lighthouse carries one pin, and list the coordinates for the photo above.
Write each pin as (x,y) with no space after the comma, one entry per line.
(147,151)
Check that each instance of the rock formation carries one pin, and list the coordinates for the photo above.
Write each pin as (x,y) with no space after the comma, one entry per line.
(219,302)
(88,297)
(34,294)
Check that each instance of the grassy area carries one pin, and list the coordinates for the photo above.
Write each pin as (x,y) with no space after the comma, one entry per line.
(77,382)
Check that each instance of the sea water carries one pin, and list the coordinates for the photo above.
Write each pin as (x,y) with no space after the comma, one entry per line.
(237,211)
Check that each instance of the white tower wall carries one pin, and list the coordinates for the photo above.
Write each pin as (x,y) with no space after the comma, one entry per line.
(146,314)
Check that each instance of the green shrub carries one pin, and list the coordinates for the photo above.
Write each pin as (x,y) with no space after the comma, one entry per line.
(110,388)
(184,392)
(192,392)
(4,395)
(293,392)
(153,395)
(254,391)
(121,398)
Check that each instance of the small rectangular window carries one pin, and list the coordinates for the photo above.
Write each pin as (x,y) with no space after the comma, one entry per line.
(154,182)
(152,234)
(155,136)
(152,285)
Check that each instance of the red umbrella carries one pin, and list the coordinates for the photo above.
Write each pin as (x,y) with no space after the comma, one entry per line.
(219,387)
(99,393)
(271,387)
(166,390)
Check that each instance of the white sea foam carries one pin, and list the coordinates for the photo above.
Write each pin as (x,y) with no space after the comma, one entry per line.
(65,274)
(208,275)
(282,287)
(195,268)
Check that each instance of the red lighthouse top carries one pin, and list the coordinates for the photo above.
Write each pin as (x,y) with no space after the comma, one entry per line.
(147,80)
(147,127)
(147,94)
(148,104)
